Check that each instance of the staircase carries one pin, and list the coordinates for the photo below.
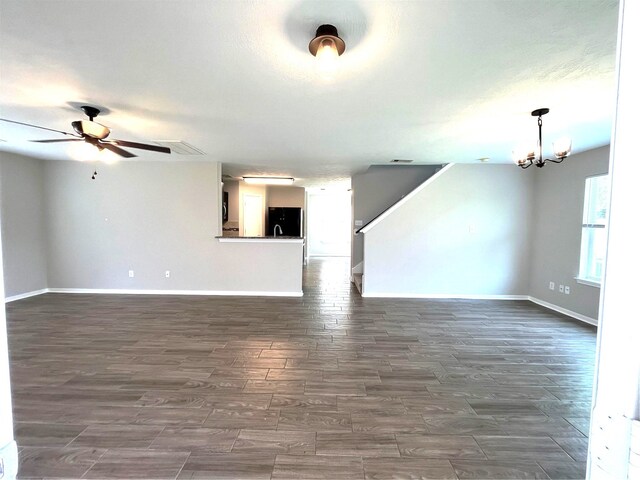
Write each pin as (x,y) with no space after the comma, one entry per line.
(356,276)
(357,281)
(376,193)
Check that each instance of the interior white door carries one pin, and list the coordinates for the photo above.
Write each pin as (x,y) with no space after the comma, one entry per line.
(253,213)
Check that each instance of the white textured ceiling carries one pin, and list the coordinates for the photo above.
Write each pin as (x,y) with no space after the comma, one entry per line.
(435,81)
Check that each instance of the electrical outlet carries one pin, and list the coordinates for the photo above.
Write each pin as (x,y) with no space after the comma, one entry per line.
(167,274)
(552,286)
(131,274)
(561,288)
(567,289)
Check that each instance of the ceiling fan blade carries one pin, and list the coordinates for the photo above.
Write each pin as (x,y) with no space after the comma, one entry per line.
(116,150)
(143,146)
(37,126)
(60,140)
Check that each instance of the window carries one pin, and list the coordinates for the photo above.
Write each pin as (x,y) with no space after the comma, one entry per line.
(594,232)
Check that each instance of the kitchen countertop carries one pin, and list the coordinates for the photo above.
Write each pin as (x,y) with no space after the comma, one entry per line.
(271,239)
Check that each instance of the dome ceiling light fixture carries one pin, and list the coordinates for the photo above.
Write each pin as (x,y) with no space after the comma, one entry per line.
(327,46)
(526,158)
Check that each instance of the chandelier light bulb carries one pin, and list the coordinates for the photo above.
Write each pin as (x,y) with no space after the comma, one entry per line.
(562,147)
(522,154)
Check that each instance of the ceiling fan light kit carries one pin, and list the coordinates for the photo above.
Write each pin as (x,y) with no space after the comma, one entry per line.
(91,128)
(561,147)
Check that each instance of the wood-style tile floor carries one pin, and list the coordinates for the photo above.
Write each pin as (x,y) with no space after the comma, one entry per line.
(325,386)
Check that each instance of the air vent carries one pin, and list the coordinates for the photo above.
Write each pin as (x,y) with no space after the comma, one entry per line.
(179,148)
(397,160)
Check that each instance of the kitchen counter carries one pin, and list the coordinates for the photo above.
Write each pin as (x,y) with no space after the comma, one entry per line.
(270,239)
(261,265)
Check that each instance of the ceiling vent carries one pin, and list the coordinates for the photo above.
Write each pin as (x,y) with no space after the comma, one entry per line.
(179,148)
(397,160)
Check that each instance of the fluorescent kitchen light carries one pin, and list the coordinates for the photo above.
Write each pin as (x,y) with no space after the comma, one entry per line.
(268,180)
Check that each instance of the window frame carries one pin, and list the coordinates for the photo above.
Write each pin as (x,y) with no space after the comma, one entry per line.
(586,258)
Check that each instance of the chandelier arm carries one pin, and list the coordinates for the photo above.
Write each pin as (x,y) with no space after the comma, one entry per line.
(555,161)
(528,165)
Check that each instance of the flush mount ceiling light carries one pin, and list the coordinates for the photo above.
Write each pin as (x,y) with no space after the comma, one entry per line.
(268,180)
(561,148)
(327,45)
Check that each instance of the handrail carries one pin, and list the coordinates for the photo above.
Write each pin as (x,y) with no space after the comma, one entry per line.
(378,218)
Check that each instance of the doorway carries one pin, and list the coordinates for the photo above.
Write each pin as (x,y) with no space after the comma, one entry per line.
(329,224)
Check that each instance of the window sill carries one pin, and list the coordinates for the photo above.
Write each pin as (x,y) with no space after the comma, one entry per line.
(590,283)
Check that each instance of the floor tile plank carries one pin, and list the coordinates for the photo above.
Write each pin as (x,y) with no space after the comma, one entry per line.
(328,385)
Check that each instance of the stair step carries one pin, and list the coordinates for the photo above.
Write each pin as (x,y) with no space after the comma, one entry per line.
(357,280)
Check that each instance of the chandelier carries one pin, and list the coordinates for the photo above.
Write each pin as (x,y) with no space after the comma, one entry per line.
(561,147)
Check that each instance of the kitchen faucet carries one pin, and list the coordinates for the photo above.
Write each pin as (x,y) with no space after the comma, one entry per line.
(274,230)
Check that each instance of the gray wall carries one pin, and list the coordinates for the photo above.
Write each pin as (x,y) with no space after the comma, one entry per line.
(465,234)
(23,224)
(8,447)
(377,189)
(557,229)
(281,196)
(150,217)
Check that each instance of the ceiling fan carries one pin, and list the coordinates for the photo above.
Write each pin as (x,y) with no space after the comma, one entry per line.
(95,134)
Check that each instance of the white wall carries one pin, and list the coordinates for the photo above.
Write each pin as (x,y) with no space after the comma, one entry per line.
(557,230)
(23,220)
(151,217)
(617,381)
(377,189)
(465,234)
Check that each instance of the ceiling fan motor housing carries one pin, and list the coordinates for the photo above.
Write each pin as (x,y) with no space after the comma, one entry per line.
(91,112)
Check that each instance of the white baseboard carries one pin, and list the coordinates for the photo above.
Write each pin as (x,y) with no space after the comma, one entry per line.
(21,296)
(229,293)
(436,296)
(233,293)
(565,311)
